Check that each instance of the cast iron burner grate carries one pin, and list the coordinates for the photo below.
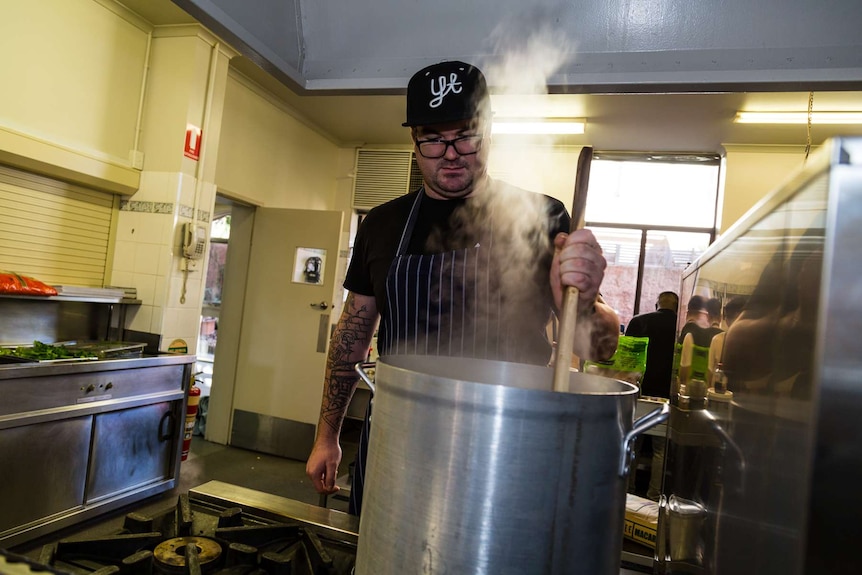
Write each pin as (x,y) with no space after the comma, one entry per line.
(202,542)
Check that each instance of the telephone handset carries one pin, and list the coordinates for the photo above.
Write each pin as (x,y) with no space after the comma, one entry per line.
(194,241)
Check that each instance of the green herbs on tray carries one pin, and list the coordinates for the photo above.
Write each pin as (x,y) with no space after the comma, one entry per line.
(44,352)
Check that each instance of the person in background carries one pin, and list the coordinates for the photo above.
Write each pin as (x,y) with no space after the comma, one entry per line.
(464,266)
(695,337)
(660,327)
(732,309)
(713,312)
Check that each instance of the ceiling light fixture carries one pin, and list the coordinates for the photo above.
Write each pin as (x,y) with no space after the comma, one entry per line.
(798,118)
(554,126)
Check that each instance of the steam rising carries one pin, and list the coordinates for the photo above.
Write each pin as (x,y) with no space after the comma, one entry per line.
(528,50)
(524,62)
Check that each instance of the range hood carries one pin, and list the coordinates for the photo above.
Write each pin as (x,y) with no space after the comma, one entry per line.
(661,46)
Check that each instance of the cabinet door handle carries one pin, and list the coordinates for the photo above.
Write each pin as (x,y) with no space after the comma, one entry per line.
(167,426)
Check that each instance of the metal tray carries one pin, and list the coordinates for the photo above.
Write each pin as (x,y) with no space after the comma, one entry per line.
(109,349)
(15,359)
(95,350)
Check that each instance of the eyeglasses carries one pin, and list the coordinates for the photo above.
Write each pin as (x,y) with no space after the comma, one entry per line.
(465,146)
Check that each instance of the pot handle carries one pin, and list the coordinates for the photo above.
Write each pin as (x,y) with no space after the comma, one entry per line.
(646,422)
(360,369)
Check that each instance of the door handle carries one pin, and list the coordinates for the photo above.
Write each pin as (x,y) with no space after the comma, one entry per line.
(321,305)
(167,426)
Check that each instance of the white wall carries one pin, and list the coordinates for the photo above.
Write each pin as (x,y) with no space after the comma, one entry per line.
(537,167)
(72,72)
(268,157)
(752,172)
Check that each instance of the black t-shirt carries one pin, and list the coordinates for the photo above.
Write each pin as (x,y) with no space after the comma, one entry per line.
(660,327)
(518,227)
(702,336)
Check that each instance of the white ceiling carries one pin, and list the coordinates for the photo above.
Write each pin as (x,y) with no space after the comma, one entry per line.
(658,122)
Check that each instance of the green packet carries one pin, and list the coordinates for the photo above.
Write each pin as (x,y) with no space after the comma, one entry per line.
(628,363)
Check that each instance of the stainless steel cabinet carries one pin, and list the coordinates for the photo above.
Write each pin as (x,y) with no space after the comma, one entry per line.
(131,448)
(39,475)
(77,440)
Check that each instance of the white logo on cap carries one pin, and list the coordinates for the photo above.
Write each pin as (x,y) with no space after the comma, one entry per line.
(453,86)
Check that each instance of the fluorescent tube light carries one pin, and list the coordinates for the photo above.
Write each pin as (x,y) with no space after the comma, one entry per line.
(798,117)
(540,126)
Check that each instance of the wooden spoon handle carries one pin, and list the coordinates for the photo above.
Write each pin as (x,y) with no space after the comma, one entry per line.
(565,339)
(569,313)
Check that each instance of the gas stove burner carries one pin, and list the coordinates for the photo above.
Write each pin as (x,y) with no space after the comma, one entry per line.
(175,555)
(204,541)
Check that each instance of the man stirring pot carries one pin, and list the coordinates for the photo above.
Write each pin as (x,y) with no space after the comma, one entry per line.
(465,266)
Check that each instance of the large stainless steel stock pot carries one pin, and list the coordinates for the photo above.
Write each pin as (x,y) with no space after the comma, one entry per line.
(475,467)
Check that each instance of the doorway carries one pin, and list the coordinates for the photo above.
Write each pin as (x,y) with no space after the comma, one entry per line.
(211,305)
(219,237)
(265,324)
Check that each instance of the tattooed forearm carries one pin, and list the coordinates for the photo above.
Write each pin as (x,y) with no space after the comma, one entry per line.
(351,337)
(349,344)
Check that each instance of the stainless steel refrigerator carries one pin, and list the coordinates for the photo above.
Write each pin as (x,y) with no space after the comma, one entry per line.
(766,477)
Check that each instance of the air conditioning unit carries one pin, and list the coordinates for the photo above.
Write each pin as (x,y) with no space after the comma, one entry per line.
(382,175)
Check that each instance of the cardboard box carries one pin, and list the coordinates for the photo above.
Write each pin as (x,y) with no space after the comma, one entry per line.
(641,520)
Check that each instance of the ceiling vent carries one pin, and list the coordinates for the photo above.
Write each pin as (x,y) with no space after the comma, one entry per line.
(383,175)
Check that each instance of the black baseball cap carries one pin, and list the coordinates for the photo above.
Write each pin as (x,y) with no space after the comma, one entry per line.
(446,92)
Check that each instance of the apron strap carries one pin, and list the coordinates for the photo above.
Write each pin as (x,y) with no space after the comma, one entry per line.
(407,232)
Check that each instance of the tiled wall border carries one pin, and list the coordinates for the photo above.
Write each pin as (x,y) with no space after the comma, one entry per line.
(162,208)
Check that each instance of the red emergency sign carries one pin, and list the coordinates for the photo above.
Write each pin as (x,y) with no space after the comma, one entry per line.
(193,142)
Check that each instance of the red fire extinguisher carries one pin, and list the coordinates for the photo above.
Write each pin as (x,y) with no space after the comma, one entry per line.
(191,415)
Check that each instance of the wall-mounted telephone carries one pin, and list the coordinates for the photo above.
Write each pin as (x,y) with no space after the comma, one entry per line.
(194,241)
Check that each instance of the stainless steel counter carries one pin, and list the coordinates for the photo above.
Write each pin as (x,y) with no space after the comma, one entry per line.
(333,524)
(79,439)
(23,370)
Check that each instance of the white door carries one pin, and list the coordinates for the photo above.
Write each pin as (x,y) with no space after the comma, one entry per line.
(277,322)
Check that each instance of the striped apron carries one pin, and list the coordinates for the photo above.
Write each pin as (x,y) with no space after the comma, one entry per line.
(442,304)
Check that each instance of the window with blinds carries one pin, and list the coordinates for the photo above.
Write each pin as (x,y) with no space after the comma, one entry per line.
(56,232)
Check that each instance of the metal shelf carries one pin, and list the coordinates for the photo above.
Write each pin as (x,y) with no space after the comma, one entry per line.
(82,299)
